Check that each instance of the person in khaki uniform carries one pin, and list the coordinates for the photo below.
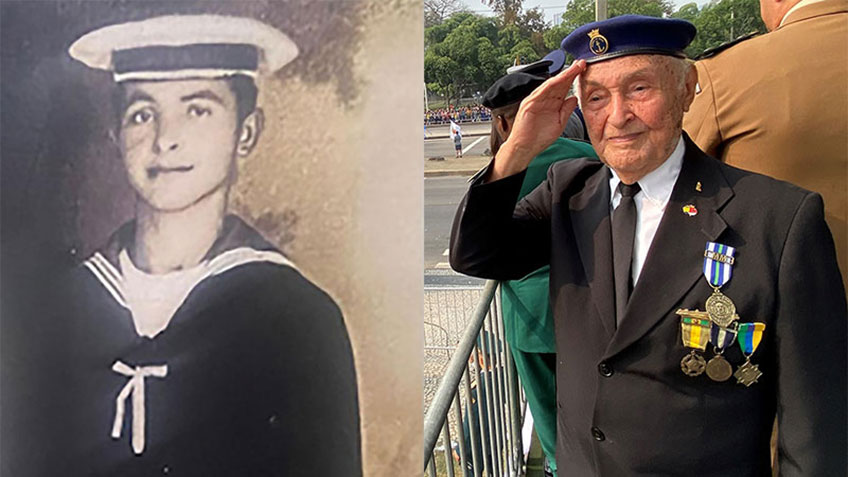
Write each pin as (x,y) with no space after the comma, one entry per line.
(777,104)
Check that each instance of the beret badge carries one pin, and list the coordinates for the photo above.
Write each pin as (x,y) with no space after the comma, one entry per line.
(598,43)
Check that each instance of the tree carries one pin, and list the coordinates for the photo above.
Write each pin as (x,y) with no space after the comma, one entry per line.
(463,52)
(507,10)
(436,11)
(722,21)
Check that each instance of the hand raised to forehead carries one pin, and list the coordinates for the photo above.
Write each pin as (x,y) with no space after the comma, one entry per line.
(540,120)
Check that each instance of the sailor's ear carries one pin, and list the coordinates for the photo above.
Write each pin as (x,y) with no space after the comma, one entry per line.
(249,131)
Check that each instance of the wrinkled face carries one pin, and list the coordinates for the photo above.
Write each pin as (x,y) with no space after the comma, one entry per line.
(633,107)
(178,140)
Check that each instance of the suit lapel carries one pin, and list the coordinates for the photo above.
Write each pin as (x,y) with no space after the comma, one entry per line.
(675,259)
(591,222)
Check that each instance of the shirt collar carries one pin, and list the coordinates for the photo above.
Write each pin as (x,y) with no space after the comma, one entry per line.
(802,3)
(657,184)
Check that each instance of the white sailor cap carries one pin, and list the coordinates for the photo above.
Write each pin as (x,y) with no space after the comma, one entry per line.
(185,46)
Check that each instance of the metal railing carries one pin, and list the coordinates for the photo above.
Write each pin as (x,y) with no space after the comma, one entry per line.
(489,407)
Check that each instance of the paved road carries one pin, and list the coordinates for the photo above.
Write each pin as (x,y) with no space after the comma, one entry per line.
(441,197)
(473,145)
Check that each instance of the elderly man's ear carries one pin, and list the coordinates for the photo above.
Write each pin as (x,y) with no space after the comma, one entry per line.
(249,132)
(691,84)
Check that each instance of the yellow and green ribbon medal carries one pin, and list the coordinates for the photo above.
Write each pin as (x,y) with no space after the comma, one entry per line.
(696,335)
(749,336)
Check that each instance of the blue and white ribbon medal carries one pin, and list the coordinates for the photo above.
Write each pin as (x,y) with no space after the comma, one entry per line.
(718,266)
(718,369)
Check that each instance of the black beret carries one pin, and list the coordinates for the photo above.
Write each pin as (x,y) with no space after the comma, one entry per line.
(511,89)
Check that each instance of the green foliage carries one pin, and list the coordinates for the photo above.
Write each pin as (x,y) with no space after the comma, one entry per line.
(466,52)
(720,22)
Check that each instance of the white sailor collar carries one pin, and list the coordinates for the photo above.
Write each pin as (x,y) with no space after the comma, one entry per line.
(239,244)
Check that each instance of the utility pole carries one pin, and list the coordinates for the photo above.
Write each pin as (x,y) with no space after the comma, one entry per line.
(600,10)
(731,26)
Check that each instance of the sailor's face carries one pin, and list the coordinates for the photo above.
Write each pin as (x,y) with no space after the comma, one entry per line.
(178,140)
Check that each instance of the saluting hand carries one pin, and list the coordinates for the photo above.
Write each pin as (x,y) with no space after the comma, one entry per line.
(540,120)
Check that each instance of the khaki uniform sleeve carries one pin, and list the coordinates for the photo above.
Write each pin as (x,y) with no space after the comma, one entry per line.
(701,121)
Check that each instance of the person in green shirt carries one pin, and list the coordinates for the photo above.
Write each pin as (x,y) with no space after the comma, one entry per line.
(528,319)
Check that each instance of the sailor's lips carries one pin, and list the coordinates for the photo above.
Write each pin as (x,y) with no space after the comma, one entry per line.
(155,171)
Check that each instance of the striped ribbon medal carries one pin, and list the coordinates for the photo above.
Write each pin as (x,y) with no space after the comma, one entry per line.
(695,334)
(718,266)
(718,369)
(749,336)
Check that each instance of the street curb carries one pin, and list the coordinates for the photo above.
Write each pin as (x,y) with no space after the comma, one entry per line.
(447,135)
(444,172)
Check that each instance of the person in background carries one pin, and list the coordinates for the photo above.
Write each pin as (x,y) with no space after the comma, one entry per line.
(528,319)
(456,136)
(777,104)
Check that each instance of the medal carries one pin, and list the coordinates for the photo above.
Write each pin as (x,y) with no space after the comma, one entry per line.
(721,309)
(718,369)
(692,364)
(695,335)
(749,336)
(748,373)
(718,266)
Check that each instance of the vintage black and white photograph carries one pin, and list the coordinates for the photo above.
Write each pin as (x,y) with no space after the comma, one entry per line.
(198,276)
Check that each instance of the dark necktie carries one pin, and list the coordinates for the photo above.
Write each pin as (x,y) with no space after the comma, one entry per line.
(623,234)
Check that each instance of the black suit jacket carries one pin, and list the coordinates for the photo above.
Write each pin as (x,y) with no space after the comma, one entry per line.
(624,406)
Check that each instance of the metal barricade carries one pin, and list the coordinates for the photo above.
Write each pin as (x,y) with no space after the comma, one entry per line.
(478,394)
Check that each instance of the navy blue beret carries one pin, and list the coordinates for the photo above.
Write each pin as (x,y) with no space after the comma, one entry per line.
(557,58)
(538,68)
(548,66)
(629,35)
(511,89)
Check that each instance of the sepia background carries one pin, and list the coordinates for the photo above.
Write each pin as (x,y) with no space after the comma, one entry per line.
(335,180)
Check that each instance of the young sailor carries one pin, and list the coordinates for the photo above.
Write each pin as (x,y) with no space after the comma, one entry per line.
(194,346)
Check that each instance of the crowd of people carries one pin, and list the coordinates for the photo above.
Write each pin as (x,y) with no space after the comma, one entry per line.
(470,113)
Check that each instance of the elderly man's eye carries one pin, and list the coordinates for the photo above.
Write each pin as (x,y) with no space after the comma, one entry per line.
(198,111)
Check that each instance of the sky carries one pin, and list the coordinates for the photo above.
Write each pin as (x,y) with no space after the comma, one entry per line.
(553,8)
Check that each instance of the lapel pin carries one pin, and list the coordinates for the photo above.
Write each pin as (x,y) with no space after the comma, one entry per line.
(690,210)
(698,186)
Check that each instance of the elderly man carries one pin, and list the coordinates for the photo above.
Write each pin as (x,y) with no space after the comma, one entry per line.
(777,104)
(693,301)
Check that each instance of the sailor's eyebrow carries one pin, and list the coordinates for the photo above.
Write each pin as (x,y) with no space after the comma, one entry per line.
(137,96)
(203,94)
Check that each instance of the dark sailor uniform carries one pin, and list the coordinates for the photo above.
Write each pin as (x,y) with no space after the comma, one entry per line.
(259,374)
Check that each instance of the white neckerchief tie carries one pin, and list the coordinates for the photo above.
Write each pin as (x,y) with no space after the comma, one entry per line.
(134,386)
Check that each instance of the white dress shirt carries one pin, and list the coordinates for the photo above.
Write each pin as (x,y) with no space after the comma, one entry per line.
(651,201)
